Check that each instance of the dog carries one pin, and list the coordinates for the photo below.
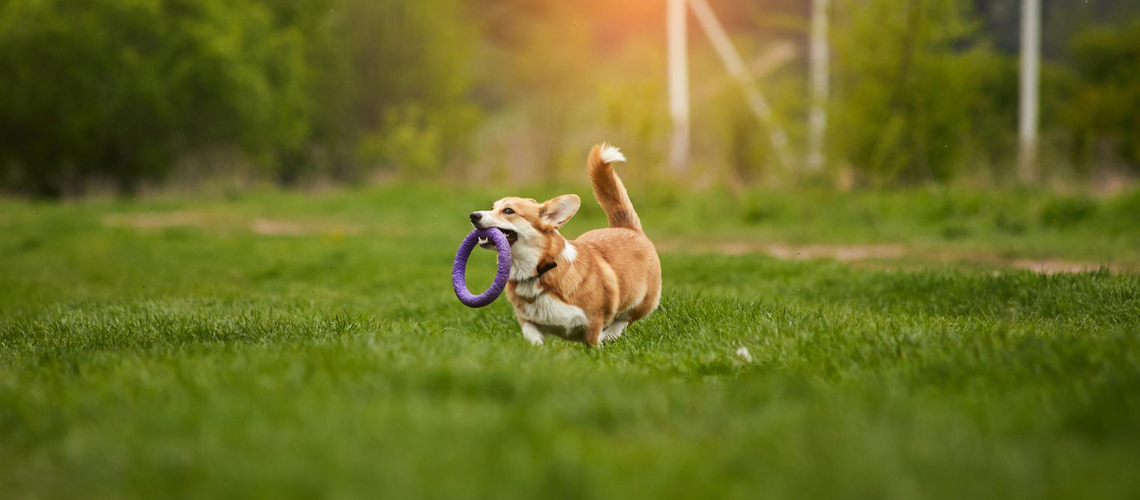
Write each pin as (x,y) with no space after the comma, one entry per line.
(586,290)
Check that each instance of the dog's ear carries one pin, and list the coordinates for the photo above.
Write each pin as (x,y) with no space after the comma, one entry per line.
(557,211)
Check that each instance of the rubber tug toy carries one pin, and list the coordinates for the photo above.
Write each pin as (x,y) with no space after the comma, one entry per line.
(459,270)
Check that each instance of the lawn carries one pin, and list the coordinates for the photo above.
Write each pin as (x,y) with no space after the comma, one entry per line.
(276,345)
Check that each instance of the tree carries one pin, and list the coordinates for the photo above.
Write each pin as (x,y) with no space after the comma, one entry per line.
(116,89)
(902,88)
(1106,96)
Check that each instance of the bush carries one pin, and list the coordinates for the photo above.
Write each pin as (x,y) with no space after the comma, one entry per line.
(1105,102)
(1065,212)
(905,87)
(394,82)
(117,89)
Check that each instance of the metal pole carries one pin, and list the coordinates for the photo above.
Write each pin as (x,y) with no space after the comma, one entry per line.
(819,54)
(678,85)
(1030,71)
(735,66)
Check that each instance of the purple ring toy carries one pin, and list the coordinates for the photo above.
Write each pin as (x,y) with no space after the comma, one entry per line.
(459,270)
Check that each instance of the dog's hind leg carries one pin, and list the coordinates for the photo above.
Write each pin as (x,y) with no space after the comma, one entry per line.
(647,306)
(614,330)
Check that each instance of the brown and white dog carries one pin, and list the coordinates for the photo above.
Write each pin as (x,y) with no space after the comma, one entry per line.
(588,289)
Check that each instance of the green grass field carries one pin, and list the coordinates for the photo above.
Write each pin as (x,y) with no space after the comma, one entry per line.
(287,345)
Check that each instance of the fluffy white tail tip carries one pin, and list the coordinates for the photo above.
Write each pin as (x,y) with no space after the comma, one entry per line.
(611,154)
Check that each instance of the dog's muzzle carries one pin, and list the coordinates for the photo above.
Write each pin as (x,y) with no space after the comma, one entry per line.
(512,237)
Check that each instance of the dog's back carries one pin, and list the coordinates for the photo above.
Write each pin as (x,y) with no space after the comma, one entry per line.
(630,259)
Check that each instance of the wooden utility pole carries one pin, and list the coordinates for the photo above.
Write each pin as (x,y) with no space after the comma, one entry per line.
(1027,167)
(819,60)
(678,85)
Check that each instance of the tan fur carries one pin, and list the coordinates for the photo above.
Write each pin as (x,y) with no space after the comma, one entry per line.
(610,191)
(614,277)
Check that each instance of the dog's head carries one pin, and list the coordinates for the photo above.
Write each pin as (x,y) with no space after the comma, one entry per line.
(530,227)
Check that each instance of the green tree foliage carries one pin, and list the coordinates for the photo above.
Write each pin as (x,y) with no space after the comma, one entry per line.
(124,92)
(1105,103)
(906,87)
(396,90)
(119,90)
(116,89)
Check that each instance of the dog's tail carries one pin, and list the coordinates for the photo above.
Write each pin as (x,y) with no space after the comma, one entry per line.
(608,188)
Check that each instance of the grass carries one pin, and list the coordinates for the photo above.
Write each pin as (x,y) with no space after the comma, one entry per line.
(280,345)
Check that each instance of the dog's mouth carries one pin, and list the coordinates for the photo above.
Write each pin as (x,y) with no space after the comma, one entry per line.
(512,237)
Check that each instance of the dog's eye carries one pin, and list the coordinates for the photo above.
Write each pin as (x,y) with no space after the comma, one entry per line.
(508,211)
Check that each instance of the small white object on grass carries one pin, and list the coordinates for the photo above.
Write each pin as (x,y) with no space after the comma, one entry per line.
(744,354)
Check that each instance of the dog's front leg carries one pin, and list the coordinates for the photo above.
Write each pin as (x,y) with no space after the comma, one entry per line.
(593,337)
(531,333)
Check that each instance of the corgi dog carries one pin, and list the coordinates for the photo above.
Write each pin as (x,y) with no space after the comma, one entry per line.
(586,290)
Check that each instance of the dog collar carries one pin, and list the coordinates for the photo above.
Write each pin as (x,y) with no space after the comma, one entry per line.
(542,269)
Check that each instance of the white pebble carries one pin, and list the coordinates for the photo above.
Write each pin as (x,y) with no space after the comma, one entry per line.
(744,354)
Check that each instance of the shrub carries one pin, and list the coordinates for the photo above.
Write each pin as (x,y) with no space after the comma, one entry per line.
(1106,98)
(116,89)
(909,85)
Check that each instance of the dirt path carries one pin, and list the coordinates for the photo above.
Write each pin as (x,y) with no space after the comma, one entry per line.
(203,220)
(866,254)
(856,254)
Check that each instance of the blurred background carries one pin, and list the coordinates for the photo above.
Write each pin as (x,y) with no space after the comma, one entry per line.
(122,96)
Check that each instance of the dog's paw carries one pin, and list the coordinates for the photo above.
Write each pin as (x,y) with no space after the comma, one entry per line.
(532,335)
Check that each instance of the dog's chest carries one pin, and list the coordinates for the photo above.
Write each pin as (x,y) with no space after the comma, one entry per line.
(543,310)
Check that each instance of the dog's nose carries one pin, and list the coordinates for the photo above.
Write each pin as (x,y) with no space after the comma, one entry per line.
(475,216)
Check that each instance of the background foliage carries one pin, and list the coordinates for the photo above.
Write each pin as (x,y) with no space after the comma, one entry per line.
(109,94)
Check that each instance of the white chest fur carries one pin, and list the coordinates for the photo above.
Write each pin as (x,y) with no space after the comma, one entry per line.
(548,311)
(544,312)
